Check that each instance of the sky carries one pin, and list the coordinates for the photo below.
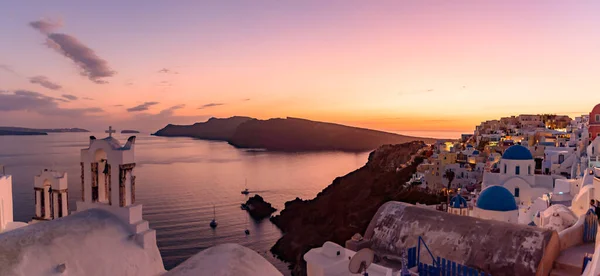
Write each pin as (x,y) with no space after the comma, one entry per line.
(389,65)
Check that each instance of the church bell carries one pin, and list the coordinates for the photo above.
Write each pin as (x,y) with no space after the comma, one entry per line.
(105,169)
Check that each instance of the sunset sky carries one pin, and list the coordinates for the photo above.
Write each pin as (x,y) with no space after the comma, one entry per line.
(388,65)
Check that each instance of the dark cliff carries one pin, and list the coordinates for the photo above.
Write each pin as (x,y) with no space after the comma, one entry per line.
(347,205)
(14,132)
(37,131)
(294,134)
(213,129)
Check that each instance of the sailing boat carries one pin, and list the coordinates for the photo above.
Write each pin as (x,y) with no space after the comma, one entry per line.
(245,191)
(213,222)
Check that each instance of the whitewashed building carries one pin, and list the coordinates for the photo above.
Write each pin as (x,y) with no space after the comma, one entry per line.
(516,174)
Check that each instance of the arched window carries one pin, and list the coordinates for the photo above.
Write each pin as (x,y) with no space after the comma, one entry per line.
(517,192)
(517,170)
(505,168)
(529,169)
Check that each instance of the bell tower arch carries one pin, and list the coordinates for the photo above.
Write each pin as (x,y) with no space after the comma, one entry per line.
(51,195)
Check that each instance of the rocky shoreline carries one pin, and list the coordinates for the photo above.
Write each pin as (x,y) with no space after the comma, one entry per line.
(347,205)
(258,208)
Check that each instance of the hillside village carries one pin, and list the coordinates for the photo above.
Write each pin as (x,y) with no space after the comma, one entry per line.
(462,163)
(521,197)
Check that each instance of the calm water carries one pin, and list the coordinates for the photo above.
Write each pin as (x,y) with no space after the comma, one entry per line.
(178,182)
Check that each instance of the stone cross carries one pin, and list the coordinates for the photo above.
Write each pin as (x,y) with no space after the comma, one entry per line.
(110,131)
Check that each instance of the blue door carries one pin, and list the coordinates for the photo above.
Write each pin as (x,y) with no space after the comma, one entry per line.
(590,227)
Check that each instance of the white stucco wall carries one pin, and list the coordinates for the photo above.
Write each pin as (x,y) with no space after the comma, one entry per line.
(93,243)
(323,261)
(509,216)
(527,213)
(6,201)
(58,180)
(564,186)
(594,148)
(225,259)
(525,173)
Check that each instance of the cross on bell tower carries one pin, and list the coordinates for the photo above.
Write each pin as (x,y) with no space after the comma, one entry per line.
(110,131)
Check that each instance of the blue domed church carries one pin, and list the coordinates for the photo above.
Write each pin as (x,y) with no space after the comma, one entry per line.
(517,176)
(497,203)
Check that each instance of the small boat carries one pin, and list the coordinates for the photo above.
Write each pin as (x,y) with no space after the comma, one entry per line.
(213,222)
(245,191)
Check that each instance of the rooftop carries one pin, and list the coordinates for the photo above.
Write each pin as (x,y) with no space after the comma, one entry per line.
(517,152)
(496,198)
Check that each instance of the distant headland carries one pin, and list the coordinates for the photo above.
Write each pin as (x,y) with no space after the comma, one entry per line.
(287,135)
(129,131)
(36,131)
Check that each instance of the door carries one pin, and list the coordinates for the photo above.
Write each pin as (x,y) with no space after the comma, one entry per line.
(590,227)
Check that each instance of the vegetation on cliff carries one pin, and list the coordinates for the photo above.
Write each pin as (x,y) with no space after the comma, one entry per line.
(347,205)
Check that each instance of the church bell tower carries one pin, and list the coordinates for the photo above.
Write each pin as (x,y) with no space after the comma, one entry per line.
(107,171)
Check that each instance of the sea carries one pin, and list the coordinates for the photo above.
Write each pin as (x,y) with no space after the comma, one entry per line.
(183,183)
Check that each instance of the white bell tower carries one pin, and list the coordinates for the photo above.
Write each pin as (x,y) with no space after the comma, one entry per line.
(107,171)
(51,195)
(108,183)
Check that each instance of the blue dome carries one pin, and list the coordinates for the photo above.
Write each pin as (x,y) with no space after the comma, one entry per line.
(475,152)
(517,152)
(496,198)
(458,202)
(469,146)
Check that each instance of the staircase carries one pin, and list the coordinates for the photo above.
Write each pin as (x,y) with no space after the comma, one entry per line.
(563,269)
(570,261)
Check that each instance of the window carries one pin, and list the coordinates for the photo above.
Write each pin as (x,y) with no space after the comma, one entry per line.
(561,159)
(504,168)
(529,169)
(517,192)
(517,170)
(597,117)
